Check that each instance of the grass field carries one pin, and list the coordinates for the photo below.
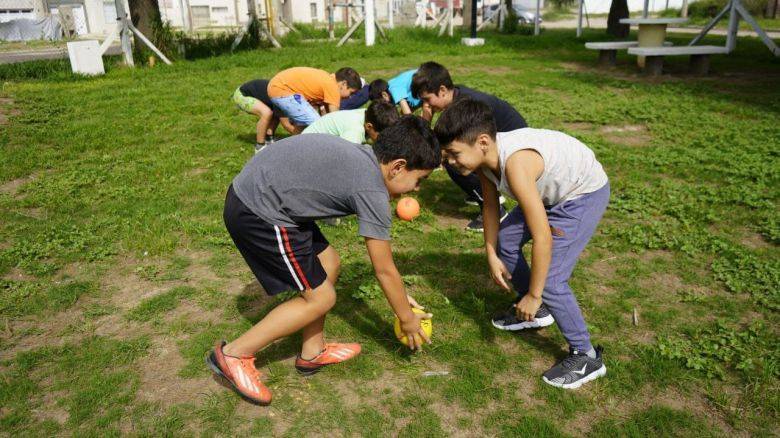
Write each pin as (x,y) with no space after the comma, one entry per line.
(116,273)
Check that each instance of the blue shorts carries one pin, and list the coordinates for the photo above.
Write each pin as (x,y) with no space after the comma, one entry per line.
(297,109)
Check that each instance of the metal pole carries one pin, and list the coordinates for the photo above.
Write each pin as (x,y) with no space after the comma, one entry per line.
(368,13)
(579,18)
(731,36)
(536,18)
(450,8)
(124,32)
(390,8)
(473,19)
(331,33)
(644,11)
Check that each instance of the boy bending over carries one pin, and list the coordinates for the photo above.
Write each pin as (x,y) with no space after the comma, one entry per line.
(562,192)
(270,211)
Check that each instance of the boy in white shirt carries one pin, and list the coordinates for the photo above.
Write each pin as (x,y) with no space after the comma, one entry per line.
(562,192)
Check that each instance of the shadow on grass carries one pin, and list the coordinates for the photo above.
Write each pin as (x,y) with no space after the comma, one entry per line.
(461,278)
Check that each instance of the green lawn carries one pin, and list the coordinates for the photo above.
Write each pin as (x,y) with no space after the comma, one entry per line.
(116,273)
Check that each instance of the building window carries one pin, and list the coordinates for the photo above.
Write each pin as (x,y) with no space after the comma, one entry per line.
(314,12)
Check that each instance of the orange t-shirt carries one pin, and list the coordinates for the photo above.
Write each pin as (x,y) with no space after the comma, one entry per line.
(315,85)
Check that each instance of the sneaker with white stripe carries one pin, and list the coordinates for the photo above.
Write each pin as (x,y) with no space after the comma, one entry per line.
(332,354)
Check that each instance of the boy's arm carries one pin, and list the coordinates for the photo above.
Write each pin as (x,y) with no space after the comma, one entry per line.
(393,286)
(522,170)
(405,108)
(331,108)
(491,223)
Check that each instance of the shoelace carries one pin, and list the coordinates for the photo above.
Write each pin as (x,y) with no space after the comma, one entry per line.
(569,361)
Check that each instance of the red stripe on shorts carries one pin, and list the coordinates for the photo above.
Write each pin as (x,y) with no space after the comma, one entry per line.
(292,257)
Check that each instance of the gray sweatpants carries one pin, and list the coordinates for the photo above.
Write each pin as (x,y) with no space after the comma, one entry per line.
(572,224)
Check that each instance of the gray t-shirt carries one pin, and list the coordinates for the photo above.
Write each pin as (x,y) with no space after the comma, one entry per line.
(316,176)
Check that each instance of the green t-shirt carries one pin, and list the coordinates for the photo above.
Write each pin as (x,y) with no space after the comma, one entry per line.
(347,124)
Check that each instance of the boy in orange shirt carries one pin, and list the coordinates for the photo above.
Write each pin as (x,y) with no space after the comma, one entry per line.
(298,91)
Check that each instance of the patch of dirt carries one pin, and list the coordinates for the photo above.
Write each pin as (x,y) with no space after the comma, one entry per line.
(49,410)
(54,331)
(629,135)
(449,221)
(12,187)
(754,241)
(160,381)
(16,274)
(7,109)
(579,126)
(35,212)
(695,404)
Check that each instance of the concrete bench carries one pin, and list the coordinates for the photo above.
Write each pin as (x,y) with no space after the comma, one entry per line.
(608,49)
(700,57)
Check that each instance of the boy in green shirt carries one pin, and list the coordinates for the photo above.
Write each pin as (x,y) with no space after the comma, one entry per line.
(356,125)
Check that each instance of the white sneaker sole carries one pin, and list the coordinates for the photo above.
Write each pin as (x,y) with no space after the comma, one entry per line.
(592,376)
(501,199)
(536,323)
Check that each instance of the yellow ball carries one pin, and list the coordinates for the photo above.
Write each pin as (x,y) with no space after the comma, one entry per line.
(426,325)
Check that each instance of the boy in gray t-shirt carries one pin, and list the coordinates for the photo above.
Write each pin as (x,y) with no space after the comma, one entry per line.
(270,211)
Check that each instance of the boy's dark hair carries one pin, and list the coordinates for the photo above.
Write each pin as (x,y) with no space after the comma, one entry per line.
(381,115)
(411,139)
(375,89)
(465,120)
(351,76)
(429,78)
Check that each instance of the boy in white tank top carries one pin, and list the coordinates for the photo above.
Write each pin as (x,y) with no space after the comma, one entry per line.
(562,192)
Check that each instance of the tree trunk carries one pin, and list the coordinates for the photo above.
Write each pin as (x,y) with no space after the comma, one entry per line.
(618,10)
(771,9)
(467,14)
(145,14)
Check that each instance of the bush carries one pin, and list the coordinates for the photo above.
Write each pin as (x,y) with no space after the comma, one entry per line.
(710,8)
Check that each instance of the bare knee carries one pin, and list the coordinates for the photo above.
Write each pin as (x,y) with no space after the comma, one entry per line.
(323,297)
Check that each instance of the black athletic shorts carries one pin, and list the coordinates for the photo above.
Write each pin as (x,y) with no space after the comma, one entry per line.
(282,258)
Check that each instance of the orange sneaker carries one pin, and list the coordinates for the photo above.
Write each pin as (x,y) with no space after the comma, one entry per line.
(241,373)
(333,353)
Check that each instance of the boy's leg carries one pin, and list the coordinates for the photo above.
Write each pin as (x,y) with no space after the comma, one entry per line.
(264,115)
(272,125)
(284,320)
(513,234)
(573,223)
(313,337)
(299,112)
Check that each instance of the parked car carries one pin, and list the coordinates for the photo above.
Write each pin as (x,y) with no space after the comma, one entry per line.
(524,16)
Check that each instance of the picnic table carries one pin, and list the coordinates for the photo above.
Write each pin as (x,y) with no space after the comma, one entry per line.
(652,31)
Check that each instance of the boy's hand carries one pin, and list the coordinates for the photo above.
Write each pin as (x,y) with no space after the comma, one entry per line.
(527,307)
(415,335)
(413,302)
(499,272)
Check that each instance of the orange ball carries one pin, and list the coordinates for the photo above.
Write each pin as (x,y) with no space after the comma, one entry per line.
(407,208)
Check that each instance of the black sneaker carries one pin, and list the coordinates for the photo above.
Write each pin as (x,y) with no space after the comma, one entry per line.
(575,370)
(477,224)
(508,320)
(269,139)
(259,147)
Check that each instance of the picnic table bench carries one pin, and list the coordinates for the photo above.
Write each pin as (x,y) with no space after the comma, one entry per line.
(700,57)
(608,49)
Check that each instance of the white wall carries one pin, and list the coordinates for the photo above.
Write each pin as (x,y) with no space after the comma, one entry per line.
(8,16)
(222,12)
(602,6)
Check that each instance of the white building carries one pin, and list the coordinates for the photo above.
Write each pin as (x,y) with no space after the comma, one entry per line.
(14,9)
